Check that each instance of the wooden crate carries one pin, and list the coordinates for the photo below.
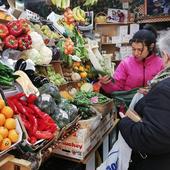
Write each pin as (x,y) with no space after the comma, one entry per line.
(57,66)
(105,107)
(68,86)
(9,162)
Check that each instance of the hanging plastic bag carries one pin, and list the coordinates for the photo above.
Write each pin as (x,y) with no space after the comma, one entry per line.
(123,98)
(119,156)
(135,99)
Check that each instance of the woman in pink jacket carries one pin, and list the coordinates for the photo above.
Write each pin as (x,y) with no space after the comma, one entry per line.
(139,68)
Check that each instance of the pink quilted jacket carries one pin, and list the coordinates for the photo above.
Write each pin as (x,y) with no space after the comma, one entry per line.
(132,73)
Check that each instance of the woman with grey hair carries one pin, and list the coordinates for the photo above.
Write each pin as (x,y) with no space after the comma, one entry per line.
(149,138)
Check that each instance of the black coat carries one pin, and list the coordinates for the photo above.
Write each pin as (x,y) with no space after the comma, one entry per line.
(150,137)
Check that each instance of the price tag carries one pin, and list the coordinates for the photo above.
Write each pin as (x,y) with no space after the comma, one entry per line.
(46,97)
(118,45)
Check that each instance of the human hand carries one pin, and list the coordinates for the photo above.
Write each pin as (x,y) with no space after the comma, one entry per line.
(133,115)
(122,115)
(144,90)
(104,79)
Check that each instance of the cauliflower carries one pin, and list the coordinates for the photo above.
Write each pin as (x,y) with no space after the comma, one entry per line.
(37,40)
(34,55)
(46,54)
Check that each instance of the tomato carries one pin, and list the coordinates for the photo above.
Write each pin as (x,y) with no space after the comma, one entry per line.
(70,48)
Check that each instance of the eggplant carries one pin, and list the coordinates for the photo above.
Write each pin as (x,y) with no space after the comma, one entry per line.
(18,64)
(56,53)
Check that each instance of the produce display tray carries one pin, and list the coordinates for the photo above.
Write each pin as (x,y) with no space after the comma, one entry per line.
(13,146)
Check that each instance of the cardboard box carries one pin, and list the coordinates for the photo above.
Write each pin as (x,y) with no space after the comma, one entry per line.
(78,149)
(123,30)
(78,145)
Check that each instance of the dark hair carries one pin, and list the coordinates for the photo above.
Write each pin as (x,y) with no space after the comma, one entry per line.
(146,36)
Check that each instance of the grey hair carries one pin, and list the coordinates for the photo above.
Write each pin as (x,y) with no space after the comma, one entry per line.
(163,42)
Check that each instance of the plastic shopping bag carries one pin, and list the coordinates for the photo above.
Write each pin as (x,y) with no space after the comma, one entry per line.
(119,156)
(135,99)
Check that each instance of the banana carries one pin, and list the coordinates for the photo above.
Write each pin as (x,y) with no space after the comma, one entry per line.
(68,4)
(88,3)
(95,2)
(65,4)
(75,14)
(83,14)
(78,13)
(53,2)
(58,3)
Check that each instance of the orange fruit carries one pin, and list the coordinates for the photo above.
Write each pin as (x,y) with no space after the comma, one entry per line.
(83,74)
(1,138)
(10,123)
(2,119)
(81,68)
(7,111)
(87,67)
(3,131)
(13,135)
(77,64)
(2,104)
(6,143)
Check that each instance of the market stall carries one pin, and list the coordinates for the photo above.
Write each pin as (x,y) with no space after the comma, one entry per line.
(52,54)
(50,102)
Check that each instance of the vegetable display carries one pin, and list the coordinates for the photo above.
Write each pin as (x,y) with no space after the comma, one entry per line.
(68,16)
(7,76)
(3,31)
(68,46)
(14,35)
(39,125)
(89,98)
(15,28)
(24,42)
(11,42)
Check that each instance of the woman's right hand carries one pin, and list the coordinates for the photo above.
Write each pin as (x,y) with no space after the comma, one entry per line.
(105,79)
(143,90)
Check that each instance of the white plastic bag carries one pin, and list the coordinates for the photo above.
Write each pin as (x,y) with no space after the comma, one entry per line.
(119,156)
(135,99)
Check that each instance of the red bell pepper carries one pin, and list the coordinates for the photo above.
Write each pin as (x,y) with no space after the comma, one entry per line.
(34,123)
(32,139)
(17,96)
(29,110)
(12,106)
(15,28)
(24,24)
(37,111)
(42,125)
(24,42)
(21,109)
(43,135)
(11,42)
(32,98)
(26,123)
(3,31)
